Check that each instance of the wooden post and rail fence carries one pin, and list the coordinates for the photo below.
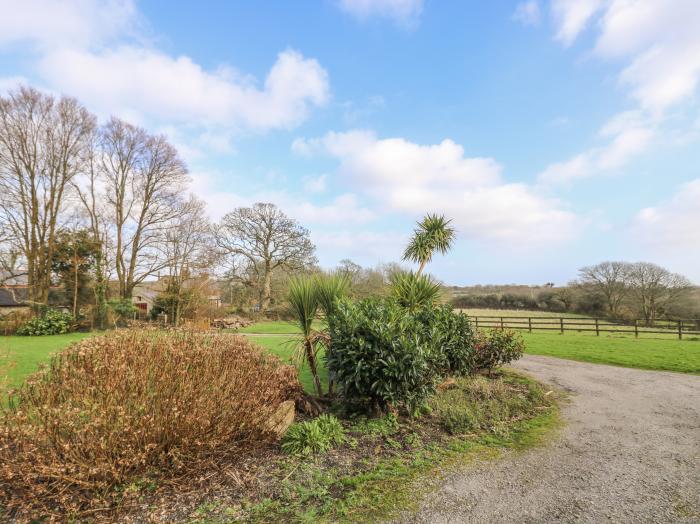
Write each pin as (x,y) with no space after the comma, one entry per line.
(676,327)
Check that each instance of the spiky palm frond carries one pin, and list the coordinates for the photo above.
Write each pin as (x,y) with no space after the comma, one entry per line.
(413,291)
(433,233)
(303,302)
(330,288)
(438,229)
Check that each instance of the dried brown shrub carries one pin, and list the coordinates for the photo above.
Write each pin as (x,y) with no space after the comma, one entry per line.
(133,405)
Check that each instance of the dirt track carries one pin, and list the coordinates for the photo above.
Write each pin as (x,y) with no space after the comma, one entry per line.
(630,452)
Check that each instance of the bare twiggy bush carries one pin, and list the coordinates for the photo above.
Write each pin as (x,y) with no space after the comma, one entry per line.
(133,405)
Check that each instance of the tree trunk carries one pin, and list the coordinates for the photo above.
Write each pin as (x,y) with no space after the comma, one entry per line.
(422,267)
(311,358)
(75,283)
(266,290)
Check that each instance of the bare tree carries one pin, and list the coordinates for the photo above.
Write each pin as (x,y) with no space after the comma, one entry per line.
(655,288)
(42,143)
(189,249)
(610,280)
(262,238)
(88,191)
(144,178)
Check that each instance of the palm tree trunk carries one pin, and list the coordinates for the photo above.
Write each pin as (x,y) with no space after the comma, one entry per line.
(422,266)
(311,358)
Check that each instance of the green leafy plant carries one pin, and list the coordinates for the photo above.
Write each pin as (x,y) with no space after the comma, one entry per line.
(497,347)
(379,356)
(49,322)
(452,336)
(314,436)
(123,309)
(413,290)
(433,233)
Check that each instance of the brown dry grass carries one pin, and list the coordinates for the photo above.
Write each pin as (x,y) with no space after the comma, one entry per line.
(131,407)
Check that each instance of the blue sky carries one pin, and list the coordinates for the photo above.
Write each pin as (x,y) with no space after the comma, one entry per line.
(555,133)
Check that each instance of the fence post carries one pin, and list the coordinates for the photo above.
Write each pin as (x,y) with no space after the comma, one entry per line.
(477,322)
(680,330)
(501,322)
(597,328)
(561,324)
(529,324)
(636,328)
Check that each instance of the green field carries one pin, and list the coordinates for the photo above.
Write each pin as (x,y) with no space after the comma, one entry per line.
(476,312)
(20,356)
(645,353)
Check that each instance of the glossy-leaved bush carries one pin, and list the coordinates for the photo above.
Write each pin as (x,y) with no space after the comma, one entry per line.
(50,322)
(380,356)
(452,337)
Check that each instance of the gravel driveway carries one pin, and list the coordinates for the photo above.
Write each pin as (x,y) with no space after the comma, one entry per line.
(630,452)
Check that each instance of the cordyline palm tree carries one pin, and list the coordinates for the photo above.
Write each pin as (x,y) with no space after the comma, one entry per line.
(308,295)
(433,233)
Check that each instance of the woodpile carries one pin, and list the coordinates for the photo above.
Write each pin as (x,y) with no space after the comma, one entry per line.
(231,322)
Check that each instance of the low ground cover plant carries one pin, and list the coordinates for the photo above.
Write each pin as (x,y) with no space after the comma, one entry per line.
(133,405)
(48,322)
(313,436)
(479,403)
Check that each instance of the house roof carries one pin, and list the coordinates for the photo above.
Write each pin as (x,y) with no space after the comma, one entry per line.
(13,297)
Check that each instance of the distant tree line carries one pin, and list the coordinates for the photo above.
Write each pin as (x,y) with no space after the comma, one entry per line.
(617,290)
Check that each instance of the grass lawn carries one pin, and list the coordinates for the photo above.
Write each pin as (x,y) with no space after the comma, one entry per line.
(20,356)
(645,353)
(274,327)
(284,348)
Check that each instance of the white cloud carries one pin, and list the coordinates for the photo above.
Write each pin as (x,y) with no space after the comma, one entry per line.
(11,82)
(363,247)
(140,81)
(315,184)
(98,51)
(673,225)
(660,39)
(344,209)
(412,178)
(528,13)
(627,135)
(50,23)
(572,16)
(405,12)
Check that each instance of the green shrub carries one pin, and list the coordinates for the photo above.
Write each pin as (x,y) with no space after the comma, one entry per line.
(452,336)
(49,322)
(379,356)
(497,347)
(124,309)
(313,437)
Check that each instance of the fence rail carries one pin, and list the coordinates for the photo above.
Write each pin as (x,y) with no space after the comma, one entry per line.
(679,328)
